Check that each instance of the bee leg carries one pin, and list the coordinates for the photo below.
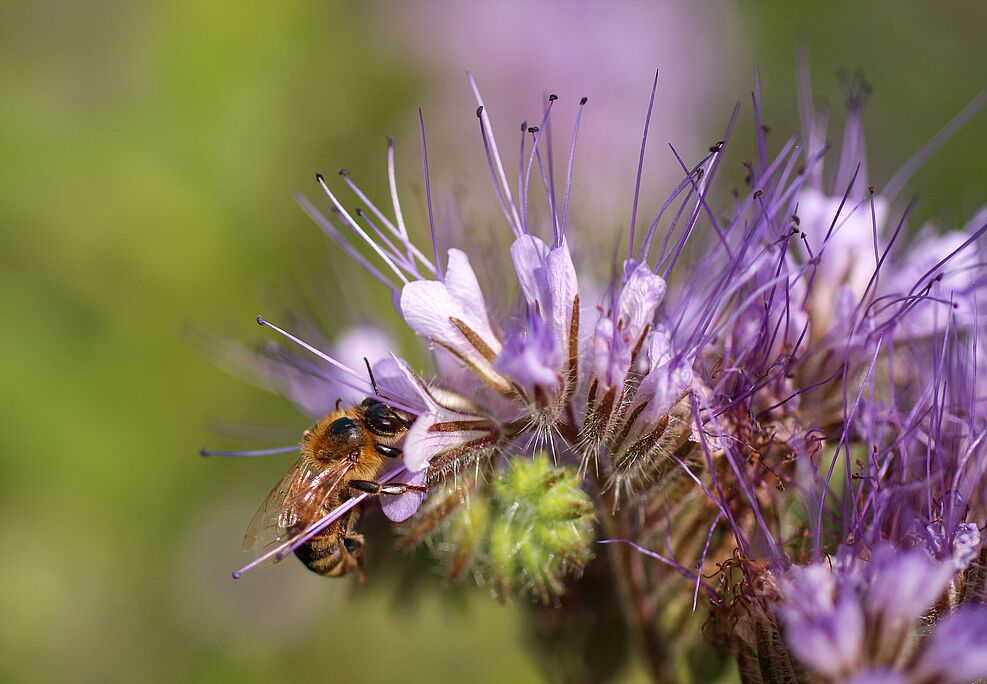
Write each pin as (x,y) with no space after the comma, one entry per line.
(353,543)
(389,451)
(393,488)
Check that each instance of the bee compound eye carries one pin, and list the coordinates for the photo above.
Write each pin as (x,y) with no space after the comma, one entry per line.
(382,420)
(345,429)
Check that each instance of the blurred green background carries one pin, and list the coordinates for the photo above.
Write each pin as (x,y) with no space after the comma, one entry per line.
(150,152)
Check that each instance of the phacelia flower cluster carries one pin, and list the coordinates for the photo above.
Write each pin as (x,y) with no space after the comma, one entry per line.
(764,405)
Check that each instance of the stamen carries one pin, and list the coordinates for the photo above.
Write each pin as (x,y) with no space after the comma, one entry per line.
(640,167)
(537,132)
(205,453)
(359,231)
(344,244)
(428,198)
(493,173)
(393,184)
(362,386)
(572,154)
(400,232)
(482,112)
(897,182)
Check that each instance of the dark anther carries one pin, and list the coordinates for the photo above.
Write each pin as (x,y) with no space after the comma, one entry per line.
(765,128)
(758,193)
(583,100)
(716,147)
(700,172)
(319,178)
(359,212)
(553,97)
(524,126)
(390,141)
(795,219)
(479,111)
(533,129)
(870,189)
(343,172)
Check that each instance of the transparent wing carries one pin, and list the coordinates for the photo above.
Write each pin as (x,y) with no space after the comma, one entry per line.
(293,504)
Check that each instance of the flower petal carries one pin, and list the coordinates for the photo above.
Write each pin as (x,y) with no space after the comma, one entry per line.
(956,651)
(400,508)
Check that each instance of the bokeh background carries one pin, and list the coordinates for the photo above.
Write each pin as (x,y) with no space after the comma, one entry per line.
(149,152)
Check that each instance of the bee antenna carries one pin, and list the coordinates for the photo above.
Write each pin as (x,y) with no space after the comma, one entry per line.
(370,372)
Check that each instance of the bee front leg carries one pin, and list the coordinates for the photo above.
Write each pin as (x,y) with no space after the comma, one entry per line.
(393,488)
(386,450)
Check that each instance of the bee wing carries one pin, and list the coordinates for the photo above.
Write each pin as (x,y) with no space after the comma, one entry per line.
(293,504)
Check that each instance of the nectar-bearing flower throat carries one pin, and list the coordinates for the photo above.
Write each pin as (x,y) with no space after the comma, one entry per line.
(721,415)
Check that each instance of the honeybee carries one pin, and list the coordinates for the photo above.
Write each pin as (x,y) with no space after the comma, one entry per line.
(341,455)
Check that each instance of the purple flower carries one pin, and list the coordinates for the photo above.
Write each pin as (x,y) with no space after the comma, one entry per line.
(823,621)
(453,314)
(955,652)
(858,621)
(532,358)
(799,376)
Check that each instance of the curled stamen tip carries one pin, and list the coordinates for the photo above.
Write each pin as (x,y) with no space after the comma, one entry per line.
(260,320)
(533,129)
(343,172)
(583,100)
(479,111)
(553,97)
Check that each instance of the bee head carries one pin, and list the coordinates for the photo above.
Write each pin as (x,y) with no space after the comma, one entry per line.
(382,420)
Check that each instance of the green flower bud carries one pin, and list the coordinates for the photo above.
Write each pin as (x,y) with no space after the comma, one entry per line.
(542,527)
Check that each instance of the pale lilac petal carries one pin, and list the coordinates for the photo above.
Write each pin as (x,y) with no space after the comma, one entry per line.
(396,379)
(664,386)
(400,508)
(422,444)
(847,256)
(359,343)
(902,587)
(429,308)
(640,297)
(426,306)
(532,357)
(824,628)
(528,254)
(611,357)
(464,289)
(876,677)
(956,651)
(548,282)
